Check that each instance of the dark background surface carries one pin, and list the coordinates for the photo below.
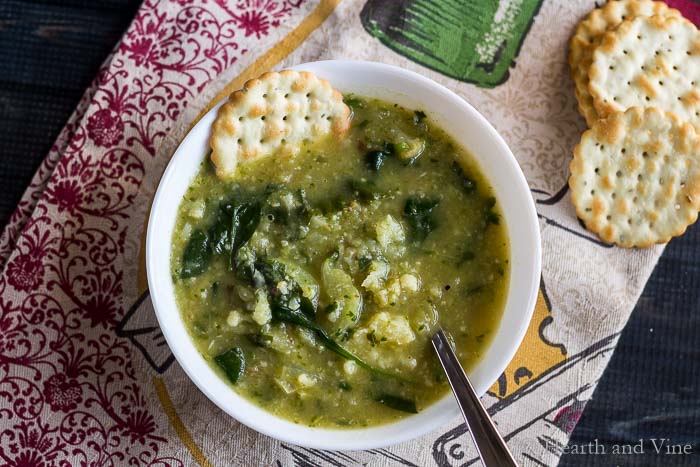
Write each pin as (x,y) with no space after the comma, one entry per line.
(50,51)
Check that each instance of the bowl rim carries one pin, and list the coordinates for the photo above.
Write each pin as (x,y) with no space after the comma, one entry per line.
(246,412)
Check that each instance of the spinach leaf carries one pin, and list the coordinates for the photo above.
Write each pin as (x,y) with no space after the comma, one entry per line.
(363,190)
(300,318)
(220,234)
(397,403)
(490,215)
(232,362)
(418,116)
(245,219)
(196,255)
(375,159)
(465,181)
(417,212)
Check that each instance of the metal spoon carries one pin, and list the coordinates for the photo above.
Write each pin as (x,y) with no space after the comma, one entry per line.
(491,447)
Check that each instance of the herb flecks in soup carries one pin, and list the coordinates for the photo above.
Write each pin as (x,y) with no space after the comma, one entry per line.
(313,283)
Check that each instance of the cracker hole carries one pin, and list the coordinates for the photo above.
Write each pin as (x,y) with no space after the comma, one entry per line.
(614,195)
(265,96)
(284,118)
(615,98)
(624,52)
(240,119)
(619,173)
(623,150)
(588,209)
(657,52)
(286,95)
(639,177)
(608,217)
(592,192)
(262,118)
(629,83)
(651,225)
(639,36)
(284,141)
(687,52)
(675,67)
(692,83)
(643,67)
(262,141)
(239,141)
(647,98)
(629,221)
(611,67)
(308,94)
(306,117)
(635,199)
(661,83)
(329,118)
(645,154)
(597,169)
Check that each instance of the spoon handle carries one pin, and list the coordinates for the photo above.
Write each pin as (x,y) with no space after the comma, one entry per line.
(490,445)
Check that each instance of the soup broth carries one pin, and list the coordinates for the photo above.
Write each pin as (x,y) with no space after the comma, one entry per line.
(313,283)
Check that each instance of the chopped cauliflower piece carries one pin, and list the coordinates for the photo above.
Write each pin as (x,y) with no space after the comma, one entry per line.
(234,318)
(378,271)
(395,329)
(389,231)
(306,380)
(409,283)
(262,314)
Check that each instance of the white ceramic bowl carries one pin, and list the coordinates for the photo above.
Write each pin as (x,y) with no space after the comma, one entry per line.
(468,128)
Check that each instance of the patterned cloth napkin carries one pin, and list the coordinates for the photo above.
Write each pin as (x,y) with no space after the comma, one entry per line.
(85,375)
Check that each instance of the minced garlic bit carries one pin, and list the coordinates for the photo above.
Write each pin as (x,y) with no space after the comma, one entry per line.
(262,314)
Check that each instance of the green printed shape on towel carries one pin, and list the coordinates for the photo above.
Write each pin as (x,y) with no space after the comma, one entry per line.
(469,40)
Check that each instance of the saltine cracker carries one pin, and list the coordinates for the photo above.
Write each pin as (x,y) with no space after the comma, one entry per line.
(635,177)
(649,62)
(275,113)
(587,37)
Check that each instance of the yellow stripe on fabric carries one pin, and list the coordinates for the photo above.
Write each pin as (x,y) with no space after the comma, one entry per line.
(177,424)
(277,53)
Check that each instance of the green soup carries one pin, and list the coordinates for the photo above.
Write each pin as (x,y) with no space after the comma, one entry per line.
(313,283)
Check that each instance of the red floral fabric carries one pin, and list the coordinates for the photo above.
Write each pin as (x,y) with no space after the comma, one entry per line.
(68,392)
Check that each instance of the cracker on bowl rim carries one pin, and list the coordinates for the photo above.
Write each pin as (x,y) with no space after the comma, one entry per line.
(277,111)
